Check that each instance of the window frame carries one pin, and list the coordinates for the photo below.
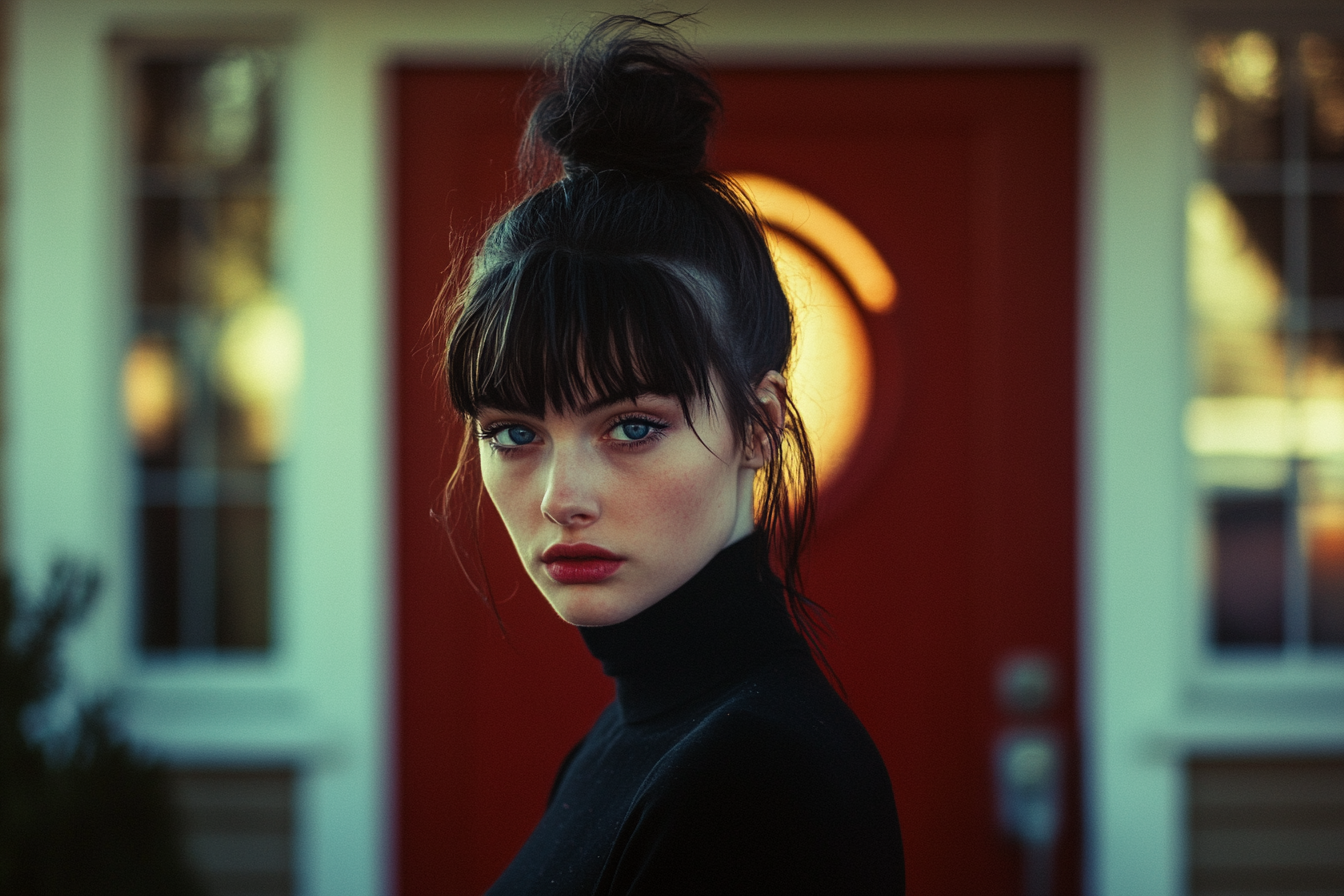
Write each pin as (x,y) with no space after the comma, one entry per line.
(125,48)
(1257,697)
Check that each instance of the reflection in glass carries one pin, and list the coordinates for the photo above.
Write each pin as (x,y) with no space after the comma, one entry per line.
(1323,70)
(258,361)
(1261,222)
(207,382)
(1238,117)
(235,91)
(1237,296)
(1246,425)
(160,581)
(1266,287)
(155,398)
(211,109)
(1323,535)
(1259,427)
(1254,421)
(242,571)
(1248,569)
(163,251)
(240,251)
(1326,224)
(1327,588)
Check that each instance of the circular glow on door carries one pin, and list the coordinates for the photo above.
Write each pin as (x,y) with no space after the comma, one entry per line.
(831,376)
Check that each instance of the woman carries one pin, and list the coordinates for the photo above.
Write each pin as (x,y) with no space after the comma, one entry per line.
(619,351)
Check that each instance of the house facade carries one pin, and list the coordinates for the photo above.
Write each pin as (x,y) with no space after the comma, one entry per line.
(234,420)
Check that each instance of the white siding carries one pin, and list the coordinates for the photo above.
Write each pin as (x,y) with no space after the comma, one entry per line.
(322,699)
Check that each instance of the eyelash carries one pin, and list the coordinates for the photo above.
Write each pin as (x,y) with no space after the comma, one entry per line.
(487,434)
(657,430)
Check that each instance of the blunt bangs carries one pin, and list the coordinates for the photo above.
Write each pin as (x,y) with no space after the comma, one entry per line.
(559,329)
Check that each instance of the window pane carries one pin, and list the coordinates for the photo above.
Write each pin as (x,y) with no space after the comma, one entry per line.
(1266,285)
(207,379)
(1324,522)
(1327,246)
(1262,220)
(237,105)
(155,396)
(169,116)
(1323,536)
(240,250)
(1248,569)
(161,561)
(162,267)
(243,576)
(1236,292)
(1239,115)
(1323,70)
(211,110)
(1327,597)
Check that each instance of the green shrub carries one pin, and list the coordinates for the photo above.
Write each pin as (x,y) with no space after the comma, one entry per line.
(81,812)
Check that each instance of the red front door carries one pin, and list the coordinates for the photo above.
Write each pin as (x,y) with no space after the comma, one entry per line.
(948,545)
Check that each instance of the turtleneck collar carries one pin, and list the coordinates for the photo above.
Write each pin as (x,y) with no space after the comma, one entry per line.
(717,625)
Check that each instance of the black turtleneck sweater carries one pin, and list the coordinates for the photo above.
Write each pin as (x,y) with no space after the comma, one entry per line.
(726,764)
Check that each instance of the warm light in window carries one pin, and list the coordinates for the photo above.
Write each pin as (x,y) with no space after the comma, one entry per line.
(1248,65)
(1264,426)
(152,393)
(827,231)
(1323,67)
(1232,285)
(259,360)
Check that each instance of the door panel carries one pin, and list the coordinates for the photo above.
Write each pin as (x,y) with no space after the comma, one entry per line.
(948,543)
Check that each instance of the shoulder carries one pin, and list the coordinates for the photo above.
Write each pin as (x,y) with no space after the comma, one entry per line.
(781,735)
(765,794)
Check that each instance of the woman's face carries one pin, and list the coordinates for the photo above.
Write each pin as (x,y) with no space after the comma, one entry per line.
(614,506)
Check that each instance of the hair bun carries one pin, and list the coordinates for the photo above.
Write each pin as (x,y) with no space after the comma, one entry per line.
(629,96)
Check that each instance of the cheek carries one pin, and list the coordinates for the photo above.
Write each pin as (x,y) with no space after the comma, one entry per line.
(509,491)
(689,494)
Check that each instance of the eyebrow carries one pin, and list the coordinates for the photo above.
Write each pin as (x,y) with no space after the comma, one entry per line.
(598,404)
(590,407)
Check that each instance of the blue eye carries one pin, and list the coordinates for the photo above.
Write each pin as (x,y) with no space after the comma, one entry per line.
(637,429)
(514,436)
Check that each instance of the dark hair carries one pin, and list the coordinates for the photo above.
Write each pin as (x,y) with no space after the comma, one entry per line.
(547,318)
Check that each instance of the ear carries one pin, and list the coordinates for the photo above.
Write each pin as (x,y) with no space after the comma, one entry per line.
(770,392)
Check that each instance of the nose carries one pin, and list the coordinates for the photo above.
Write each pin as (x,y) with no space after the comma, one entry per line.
(570,499)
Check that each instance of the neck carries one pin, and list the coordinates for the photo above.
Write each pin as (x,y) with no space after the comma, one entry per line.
(726,619)
(745,521)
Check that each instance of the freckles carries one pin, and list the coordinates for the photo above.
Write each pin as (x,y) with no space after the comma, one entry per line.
(682,493)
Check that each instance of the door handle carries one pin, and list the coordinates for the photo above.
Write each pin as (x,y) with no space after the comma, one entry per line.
(1028,771)
(1029,768)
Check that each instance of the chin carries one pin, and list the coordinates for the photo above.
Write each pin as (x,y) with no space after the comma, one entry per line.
(586,605)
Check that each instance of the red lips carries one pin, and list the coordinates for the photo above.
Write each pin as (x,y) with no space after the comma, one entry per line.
(580,564)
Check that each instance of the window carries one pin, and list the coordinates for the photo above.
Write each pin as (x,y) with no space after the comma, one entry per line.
(215,354)
(1266,285)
